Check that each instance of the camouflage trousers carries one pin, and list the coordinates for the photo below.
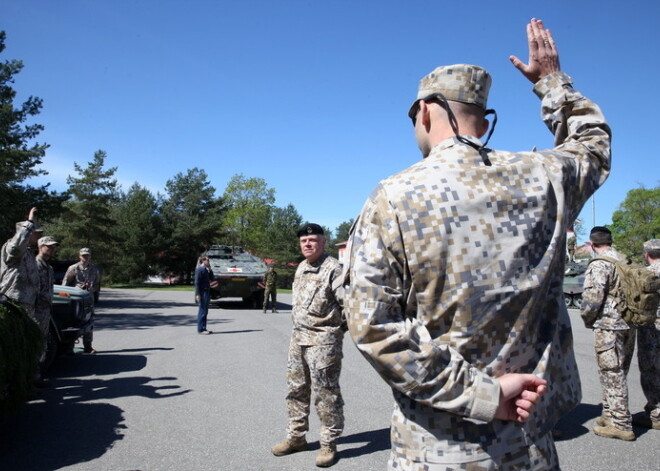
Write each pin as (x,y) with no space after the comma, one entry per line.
(648,357)
(272,294)
(316,369)
(614,351)
(42,318)
(502,446)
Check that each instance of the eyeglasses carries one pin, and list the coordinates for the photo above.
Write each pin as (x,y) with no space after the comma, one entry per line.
(435,98)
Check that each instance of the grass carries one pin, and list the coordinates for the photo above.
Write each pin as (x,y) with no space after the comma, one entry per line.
(164,287)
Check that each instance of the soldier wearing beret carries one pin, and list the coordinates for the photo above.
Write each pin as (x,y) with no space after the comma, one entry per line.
(454,273)
(315,350)
(648,352)
(614,339)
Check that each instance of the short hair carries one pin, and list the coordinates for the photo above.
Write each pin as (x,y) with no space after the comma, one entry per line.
(600,236)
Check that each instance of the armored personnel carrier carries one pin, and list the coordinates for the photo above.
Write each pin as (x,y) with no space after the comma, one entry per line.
(239,274)
(573,284)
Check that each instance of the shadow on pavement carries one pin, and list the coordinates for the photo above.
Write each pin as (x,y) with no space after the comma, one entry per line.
(572,425)
(376,440)
(61,428)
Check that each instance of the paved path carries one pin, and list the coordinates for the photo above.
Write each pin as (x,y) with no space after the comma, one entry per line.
(160,397)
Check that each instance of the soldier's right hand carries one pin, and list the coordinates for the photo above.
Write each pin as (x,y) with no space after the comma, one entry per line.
(543,55)
(33,215)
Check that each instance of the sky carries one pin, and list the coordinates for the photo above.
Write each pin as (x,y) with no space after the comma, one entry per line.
(312,96)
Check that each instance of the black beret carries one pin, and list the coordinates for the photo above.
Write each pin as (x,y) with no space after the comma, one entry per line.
(309,229)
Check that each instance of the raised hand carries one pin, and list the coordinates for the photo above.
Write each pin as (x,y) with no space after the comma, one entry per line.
(543,55)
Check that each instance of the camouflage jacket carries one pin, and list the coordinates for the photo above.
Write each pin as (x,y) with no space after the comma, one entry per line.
(655,268)
(83,276)
(19,276)
(317,302)
(599,308)
(270,279)
(45,294)
(455,274)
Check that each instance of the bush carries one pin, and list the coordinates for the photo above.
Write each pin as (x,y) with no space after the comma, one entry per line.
(20,348)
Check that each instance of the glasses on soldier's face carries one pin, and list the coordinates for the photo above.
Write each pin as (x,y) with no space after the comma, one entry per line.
(438,98)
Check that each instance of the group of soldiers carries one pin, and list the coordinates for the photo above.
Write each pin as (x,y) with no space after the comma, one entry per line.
(27,279)
(452,285)
(614,340)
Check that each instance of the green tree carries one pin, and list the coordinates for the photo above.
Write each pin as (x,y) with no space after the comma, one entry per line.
(249,204)
(87,220)
(636,221)
(138,231)
(19,157)
(192,218)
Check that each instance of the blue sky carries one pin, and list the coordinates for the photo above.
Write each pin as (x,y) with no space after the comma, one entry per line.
(309,95)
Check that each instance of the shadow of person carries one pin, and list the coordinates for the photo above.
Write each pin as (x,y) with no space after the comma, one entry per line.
(572,425)
(371,441)
(43,436)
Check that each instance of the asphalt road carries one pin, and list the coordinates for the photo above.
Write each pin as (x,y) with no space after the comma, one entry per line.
(158,396)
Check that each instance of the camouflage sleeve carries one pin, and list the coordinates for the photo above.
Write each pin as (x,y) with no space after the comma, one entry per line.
(595,292)
(398,345)
(69,278)
(18,245)
(582,137)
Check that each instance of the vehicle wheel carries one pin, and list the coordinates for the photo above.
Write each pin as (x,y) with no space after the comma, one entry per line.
(577,301)
(52,343)
(258,299)
(568,299)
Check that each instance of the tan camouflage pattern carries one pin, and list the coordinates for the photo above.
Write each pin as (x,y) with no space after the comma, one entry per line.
(44,302)
(317,302)
(460,82)
(19,276)
(270,291)
(420,454)
(315,350)
(314,369)
(614,352)
(455,272)
(87,277)
(648,358)
(599,306)
(84,276)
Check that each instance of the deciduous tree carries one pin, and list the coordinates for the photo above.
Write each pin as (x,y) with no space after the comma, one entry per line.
(636,221)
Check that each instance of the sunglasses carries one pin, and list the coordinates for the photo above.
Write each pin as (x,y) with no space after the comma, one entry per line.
(435,98)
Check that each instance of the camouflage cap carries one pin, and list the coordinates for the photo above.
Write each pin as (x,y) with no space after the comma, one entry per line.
(85,251)
(36,228)
(309,229)
(48,240)
(652,244)
(460,82)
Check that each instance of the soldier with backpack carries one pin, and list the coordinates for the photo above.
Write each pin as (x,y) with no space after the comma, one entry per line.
(614,338)
(648,351)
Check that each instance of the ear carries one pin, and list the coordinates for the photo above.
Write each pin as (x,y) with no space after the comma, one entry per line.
(484,128)
(424,114)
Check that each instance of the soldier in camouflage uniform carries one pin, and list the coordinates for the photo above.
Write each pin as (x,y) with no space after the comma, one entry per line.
(455,273)
(85,275)
(315,351)
(648,352)
(614,339)
(19,275)
(43,306)
(270,284)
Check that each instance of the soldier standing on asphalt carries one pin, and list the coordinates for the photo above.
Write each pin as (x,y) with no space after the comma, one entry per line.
(455,270)
(614,339)
(19,275)
(270,283)
(85,275)
(315,351)
(44,303)
(648,352)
